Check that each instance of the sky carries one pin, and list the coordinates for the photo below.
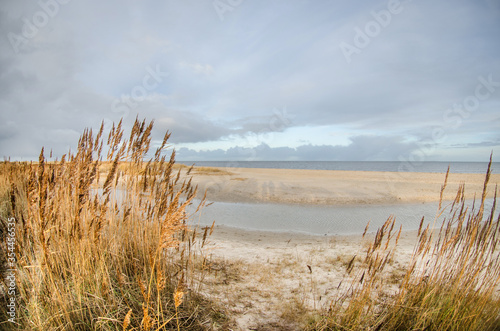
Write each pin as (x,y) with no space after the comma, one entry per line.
(256,80)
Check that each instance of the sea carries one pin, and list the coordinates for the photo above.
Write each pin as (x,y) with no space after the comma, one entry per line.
(403,166)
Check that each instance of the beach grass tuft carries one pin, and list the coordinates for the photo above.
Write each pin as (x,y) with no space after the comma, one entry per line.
(451,283)
(104,245)
(211,171)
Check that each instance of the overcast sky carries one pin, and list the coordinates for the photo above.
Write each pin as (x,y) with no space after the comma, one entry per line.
(256,79)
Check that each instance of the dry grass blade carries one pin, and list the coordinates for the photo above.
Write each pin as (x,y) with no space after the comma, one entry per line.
(366,229)
(126,320)
(443,187)
(485,187)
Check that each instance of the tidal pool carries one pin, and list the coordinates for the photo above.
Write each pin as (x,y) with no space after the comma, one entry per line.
(318,219)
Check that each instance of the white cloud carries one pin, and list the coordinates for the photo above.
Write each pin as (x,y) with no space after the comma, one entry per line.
(197,68)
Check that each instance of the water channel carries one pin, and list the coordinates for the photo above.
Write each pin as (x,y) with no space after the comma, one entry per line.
(319,219)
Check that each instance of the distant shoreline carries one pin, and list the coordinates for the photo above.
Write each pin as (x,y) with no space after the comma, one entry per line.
(385,166)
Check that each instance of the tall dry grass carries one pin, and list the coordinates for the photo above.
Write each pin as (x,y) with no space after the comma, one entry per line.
(104,245)
(452,282)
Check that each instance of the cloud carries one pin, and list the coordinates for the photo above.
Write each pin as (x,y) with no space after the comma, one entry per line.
(488,143)
(197,68)
(226,78)
(361,148)
(187,127)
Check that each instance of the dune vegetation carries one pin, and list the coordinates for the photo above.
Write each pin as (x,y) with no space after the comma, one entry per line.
(104,245)
(451,283)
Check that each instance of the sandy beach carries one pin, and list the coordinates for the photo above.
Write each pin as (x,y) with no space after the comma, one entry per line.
(266,280)
(332,187)
(269,281)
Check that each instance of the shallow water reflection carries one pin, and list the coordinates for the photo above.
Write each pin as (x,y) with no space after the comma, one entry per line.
(317,220)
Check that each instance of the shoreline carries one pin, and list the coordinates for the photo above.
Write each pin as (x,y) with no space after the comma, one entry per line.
(252,236)
(228,234)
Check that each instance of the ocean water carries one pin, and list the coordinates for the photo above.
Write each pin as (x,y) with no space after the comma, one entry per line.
(436,167)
